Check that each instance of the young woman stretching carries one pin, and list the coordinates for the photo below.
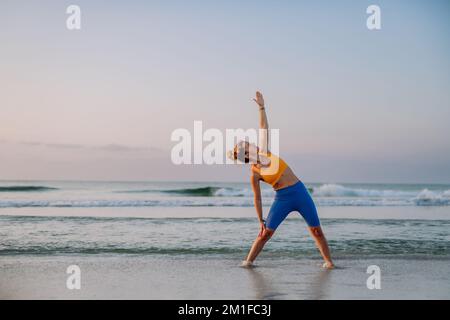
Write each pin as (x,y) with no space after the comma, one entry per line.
(291,194)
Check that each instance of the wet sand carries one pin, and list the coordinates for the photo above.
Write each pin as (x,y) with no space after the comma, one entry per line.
(164,277)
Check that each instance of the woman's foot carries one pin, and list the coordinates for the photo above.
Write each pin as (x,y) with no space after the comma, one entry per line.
(246,264)
(328,265)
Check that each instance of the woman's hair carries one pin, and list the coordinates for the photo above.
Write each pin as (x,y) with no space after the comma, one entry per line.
(235,152)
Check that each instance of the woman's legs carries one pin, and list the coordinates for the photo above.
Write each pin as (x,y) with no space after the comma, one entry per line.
(301,201)
(316,233)
(306,207)
(322,245)
(278,212)
(258,244)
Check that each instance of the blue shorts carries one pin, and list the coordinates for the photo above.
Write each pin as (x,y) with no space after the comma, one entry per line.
(292,198)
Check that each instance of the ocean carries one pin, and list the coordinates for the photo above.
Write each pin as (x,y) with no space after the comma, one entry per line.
(145,229)
(14,194)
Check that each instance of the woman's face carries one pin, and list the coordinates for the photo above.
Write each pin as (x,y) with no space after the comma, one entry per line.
(245,151)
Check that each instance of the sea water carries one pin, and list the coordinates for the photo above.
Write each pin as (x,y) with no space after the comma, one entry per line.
(192,218)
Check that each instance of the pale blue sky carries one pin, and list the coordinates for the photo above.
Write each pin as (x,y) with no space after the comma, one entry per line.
(352,105)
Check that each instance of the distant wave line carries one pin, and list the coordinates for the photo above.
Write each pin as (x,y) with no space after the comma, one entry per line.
(25,188)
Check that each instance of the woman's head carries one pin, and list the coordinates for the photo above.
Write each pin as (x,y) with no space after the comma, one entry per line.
(244,151)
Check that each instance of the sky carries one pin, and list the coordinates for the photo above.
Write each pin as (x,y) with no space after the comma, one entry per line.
(100,103)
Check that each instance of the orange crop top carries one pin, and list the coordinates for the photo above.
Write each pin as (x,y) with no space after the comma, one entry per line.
(273,172)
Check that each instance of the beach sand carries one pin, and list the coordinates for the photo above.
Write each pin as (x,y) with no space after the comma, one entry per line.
(138,277)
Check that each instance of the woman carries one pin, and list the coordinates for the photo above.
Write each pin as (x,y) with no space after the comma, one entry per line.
(291,194)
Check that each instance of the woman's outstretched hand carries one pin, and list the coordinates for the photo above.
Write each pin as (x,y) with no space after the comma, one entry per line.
(259,99)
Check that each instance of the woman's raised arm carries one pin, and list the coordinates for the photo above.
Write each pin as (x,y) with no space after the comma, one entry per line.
(263,124)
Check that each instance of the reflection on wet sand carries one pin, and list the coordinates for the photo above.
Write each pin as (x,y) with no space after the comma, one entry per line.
(318,285)
(263,286)
(311,287)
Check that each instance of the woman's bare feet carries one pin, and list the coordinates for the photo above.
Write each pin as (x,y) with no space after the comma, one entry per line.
(246,264)
(328,265)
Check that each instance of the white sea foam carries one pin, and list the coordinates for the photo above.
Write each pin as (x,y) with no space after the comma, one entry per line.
(336,190)
(430,198)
